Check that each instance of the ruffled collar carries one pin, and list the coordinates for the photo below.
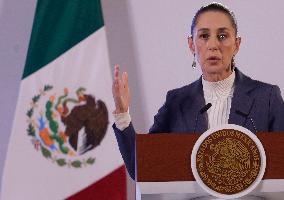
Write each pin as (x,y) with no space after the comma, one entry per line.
(219,89)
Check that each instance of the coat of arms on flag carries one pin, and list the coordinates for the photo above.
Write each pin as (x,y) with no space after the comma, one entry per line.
(56,122)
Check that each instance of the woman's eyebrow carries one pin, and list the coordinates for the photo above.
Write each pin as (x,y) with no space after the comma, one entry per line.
(223,29)
(219,29)
(203,29)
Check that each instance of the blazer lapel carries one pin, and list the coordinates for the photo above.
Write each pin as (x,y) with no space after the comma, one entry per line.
(193,102)
(242,103)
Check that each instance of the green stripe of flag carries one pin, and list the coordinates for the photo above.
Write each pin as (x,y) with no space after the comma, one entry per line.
(58,26)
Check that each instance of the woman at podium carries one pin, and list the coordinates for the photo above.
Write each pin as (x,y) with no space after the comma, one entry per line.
(222,95)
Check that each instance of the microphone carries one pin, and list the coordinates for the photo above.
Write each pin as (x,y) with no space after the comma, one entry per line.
(200,112)
(238,112)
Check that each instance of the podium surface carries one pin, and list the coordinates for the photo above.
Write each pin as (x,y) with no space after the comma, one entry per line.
(164,168)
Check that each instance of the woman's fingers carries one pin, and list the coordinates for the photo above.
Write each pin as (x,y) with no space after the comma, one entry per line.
(117,75)
(117,80)
(120,90)
(125,80)
(126,88)
(117,72)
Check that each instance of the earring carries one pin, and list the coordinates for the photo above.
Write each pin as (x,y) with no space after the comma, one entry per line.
(233,64)
(193,63)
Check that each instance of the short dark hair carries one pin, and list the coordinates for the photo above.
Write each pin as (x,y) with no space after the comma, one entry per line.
(215,7)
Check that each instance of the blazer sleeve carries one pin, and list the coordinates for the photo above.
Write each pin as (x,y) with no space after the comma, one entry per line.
(126,138)
(126,143)
(276,110)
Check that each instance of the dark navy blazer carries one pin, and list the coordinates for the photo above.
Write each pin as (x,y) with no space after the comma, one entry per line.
(256,101)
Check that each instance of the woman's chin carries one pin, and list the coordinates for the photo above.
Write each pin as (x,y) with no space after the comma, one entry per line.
(214,68)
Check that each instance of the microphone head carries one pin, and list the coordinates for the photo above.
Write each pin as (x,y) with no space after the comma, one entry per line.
(205,108)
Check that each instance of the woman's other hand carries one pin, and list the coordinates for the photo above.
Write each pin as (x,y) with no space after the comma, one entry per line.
(120,91)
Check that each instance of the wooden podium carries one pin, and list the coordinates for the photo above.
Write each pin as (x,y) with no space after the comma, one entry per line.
(164,168)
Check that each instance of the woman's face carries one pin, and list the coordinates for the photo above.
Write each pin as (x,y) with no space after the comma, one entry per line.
(214,44)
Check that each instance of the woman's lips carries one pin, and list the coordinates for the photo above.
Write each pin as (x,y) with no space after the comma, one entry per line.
(213,60)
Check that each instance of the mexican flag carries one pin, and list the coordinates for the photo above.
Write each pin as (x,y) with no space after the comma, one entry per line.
(62,145)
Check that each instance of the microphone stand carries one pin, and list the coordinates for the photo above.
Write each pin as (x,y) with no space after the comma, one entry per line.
(201,111)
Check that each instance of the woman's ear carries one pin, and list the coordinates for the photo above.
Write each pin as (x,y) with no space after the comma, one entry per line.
(191,44)
(238,44)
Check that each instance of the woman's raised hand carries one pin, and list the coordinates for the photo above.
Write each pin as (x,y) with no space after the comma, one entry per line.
(120,91)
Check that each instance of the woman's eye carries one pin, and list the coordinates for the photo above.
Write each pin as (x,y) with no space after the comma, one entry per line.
(204,36)
(222,36)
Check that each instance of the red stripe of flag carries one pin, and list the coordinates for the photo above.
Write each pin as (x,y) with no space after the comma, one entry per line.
(110,187)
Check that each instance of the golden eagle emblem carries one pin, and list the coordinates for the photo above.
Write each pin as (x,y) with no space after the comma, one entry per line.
(228,161)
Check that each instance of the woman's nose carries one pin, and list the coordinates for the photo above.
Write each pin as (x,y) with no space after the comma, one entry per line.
(212,43)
